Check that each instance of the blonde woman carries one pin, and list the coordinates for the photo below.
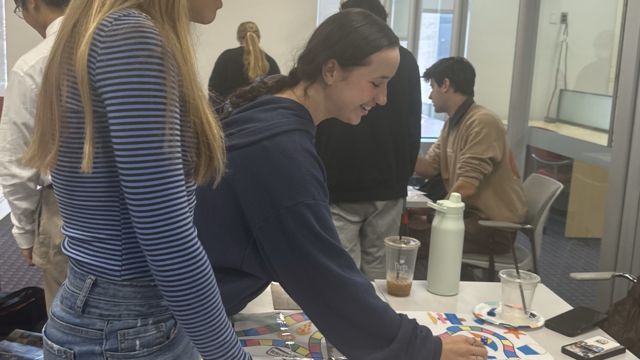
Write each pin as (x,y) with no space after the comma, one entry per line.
(239,67)
(125,149)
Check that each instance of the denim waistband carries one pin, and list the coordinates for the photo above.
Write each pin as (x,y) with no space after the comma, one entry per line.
(88,295)
(134,291)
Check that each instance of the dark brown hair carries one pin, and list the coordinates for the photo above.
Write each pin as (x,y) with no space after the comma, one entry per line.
(349,37)
(459,71)
(373,6)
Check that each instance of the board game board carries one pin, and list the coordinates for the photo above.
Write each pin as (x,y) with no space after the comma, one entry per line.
(282,335)
(291,335)
(502,343)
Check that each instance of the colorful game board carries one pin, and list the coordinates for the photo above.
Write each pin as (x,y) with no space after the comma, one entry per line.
(502,343)
(291,335)
(282,335)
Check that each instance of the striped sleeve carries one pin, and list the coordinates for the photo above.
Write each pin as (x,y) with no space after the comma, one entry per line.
(145,127)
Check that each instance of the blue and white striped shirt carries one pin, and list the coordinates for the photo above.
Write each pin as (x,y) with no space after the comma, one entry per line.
(132,217)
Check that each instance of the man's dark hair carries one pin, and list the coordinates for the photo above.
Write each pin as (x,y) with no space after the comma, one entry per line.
(459,71)
(54,4)
(372,6)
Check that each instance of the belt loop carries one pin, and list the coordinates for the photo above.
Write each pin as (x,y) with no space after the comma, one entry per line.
(84,294)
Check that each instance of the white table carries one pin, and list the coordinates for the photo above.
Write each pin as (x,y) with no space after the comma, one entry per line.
(546,303)
(264,302)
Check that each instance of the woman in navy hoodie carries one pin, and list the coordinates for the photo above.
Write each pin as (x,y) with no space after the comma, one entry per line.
(269,218)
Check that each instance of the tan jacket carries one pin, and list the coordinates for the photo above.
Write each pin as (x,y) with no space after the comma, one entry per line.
(477,152)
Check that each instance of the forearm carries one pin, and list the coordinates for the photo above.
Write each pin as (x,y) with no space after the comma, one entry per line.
(358,323)
(424,168)
(20,188)
(19,182)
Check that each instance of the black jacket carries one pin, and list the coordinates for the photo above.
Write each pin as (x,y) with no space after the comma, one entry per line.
(373,161)
(229,74)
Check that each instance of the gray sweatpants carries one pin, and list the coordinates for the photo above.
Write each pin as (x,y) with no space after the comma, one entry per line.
(362,228)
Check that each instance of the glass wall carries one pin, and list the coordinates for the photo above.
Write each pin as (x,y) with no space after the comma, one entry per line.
(576,57)
(569,121)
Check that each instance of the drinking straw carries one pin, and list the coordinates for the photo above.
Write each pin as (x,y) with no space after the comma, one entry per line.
(402,221)
(515,262)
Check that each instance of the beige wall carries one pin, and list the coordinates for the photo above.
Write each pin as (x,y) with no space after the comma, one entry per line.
(20,37)
(285,25)
(490,48)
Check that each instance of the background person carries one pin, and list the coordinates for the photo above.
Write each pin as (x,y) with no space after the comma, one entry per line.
(29,193)
(239,67)
(475,160)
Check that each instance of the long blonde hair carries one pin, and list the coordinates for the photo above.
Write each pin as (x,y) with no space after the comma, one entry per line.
(69,56)
(255,60)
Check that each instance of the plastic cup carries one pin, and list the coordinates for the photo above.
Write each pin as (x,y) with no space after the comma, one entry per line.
(514,290)
(401,263)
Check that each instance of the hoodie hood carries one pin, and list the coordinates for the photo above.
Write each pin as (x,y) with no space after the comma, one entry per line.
(263,118)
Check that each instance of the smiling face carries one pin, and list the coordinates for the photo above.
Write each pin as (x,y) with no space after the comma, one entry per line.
(351,94)
(203,11)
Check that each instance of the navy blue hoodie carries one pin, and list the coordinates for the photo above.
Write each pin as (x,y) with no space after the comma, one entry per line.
(269,220)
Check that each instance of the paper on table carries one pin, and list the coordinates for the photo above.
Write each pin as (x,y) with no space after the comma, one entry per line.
(412,191)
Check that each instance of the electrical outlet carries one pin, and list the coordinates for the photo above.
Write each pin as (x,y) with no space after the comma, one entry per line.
(564,18)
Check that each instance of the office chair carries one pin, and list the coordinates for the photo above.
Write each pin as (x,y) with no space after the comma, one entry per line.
(540,191)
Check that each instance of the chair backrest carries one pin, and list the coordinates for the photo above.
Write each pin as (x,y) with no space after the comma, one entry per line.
(541,192)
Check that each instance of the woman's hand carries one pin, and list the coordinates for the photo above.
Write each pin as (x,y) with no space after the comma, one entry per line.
(463,348)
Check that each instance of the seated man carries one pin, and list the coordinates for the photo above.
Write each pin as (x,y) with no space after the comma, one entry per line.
(474,158)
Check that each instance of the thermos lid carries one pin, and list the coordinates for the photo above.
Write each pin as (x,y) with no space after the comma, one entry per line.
(407,243)
(452,206)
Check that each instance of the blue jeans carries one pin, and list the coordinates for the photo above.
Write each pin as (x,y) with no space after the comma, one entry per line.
(93,319)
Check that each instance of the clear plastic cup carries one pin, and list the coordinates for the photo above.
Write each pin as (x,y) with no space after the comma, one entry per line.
(401,263)
(514,290)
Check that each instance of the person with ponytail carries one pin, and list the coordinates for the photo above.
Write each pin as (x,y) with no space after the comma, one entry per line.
(269,218)
(239,67)
(125,130)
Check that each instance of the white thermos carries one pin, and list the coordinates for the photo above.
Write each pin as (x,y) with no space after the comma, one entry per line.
(445,251)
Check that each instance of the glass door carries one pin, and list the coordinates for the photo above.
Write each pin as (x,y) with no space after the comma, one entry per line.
(567,133)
